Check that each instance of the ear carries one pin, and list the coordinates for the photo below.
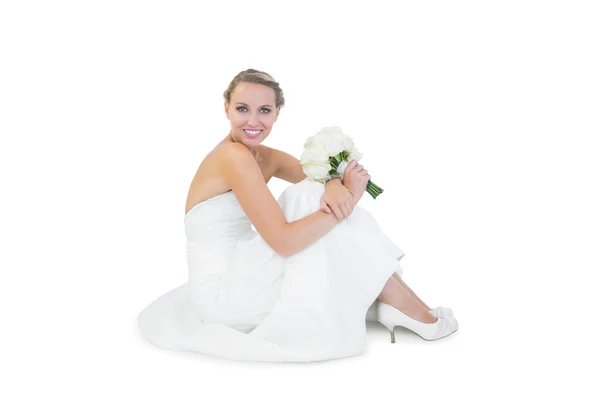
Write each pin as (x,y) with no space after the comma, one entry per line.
(226,109)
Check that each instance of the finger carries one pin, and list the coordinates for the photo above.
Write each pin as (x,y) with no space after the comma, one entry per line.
(346,211)
(338,213)
(349,207)
(325,207)
(343,209)
(352,164)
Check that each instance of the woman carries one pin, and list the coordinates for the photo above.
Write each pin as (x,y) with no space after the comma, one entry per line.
(299,287)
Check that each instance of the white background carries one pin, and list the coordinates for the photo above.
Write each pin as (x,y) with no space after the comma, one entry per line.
(478,119)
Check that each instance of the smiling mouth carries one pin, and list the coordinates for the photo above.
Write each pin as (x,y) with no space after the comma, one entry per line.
(253,132)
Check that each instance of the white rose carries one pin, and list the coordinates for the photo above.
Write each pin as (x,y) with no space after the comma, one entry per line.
(336,130)
(314,154)
(354,153)
(324,131)
(315,162)
(332,139)
(334,146)
(316,171)
(348,142)
(311,141)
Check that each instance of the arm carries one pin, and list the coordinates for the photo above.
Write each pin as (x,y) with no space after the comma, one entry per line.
(337,199)
(286,166)
(341,198)
(247,183)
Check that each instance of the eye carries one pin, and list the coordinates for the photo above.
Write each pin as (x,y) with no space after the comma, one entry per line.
(240,107)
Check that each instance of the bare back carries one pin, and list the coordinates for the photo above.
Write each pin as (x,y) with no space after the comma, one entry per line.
(209,182)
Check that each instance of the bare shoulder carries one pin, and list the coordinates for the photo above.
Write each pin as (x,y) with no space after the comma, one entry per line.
(209,180)
(263,156)
(238,165)
(224,152)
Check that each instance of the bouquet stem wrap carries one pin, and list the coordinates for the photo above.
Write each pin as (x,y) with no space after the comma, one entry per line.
(340,167)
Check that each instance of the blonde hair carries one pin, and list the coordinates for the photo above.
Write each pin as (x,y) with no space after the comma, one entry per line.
(255,76)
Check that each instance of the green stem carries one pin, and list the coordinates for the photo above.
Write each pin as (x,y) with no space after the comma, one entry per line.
(373,189)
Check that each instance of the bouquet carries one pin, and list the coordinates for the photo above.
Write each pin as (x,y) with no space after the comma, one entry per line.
(327,154)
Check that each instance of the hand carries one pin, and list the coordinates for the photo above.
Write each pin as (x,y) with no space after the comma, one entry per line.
(337,198)
(356,178)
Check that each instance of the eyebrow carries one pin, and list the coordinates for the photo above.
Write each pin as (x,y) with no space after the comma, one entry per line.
(244,104)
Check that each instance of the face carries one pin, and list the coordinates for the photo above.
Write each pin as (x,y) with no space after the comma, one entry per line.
(252,109)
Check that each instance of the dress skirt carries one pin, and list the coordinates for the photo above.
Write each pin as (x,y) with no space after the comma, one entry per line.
(259,306)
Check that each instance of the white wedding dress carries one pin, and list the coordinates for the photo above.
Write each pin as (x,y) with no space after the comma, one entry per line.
(243,301)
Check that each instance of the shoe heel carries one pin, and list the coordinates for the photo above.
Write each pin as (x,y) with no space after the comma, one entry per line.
(393,336)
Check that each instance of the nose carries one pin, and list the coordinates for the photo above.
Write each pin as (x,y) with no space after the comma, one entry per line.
(253,120)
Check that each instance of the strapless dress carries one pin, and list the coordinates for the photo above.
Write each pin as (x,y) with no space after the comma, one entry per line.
(243,301)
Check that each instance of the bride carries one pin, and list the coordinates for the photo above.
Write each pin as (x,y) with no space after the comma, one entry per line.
(299,287)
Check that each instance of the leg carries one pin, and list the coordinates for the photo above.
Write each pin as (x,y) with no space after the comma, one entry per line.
(400,281)
(398,295)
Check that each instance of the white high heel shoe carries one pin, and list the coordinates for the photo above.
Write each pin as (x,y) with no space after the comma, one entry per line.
(441,312)
(391,317)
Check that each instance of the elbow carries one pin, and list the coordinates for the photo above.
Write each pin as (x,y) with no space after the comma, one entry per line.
(282,246)
(282,254)
(282,250)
